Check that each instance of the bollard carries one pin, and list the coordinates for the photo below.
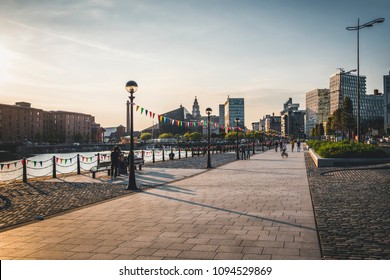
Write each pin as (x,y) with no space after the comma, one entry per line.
(179,153)
(24,163)
(78,165)
(54,167)
(154,159)
(163,155)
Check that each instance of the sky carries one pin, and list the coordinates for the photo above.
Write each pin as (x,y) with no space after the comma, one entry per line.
(78,55)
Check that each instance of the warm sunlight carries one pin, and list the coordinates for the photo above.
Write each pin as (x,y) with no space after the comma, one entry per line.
(5,63)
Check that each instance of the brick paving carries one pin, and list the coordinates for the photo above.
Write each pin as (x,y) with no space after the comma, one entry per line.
(267,215)
(21,203)
(247,209)
(352,209)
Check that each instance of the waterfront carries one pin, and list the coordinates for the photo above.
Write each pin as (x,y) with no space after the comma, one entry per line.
(237,209)
(44,165)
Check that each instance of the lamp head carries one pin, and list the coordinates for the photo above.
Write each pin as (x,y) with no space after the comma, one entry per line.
(209,111)
(131,86)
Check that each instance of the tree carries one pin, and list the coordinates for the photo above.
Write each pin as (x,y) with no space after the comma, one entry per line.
(165,135)
(195,136)
(328,128)
(232,135)
(347,119)
(336,122)
(146,136)
(321,130)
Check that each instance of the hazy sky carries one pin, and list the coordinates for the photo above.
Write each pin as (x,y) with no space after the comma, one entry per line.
(78,55)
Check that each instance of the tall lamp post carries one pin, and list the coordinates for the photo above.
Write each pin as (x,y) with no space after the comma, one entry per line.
(208,112)
(132,87)
(357,28)
(237,121)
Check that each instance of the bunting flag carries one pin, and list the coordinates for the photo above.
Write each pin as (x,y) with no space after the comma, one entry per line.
(171,121)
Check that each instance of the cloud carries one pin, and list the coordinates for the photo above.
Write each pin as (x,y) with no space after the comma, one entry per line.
(85,43)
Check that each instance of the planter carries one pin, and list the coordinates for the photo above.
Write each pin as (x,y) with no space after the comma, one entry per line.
(331,162)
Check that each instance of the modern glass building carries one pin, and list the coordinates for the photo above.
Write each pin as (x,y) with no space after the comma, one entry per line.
(234,108)
(317,108)
(343,84)
(386,94)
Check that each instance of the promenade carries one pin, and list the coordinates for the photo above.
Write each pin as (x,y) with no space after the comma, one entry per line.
(247,209)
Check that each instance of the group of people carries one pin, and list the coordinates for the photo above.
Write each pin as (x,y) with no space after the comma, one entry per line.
(116,158)
(283,146)
(245,152)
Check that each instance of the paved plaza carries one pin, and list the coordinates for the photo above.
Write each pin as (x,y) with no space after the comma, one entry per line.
(246,209)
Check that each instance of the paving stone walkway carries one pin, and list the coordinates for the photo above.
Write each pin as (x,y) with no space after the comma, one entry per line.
(247,209)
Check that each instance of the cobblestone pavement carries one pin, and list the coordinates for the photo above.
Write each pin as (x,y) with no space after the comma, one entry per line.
(352,210)
(196,162)
(21,203)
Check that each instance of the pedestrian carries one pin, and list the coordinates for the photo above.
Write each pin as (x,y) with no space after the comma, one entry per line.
(248,152)
(276,146)
(299,145)
(292,145)
(115,157)
(284,149)
(243,152)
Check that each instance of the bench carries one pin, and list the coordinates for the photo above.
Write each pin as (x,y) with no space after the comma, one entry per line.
(102,166)
(138,161)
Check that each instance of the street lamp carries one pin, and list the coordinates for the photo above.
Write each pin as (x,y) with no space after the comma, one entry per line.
(237,120)
(208,112)
(132,87)
(357,28)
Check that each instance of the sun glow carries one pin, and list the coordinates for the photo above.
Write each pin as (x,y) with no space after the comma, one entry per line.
(5,64)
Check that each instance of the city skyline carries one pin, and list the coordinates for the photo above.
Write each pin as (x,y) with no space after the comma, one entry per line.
(78,56)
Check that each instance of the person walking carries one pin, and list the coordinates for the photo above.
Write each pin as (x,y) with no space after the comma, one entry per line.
(299,145)
(284,148)
(115,156)
(276,146)
(292,145)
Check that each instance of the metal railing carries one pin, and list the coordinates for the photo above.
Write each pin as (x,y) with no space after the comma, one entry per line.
(28,168)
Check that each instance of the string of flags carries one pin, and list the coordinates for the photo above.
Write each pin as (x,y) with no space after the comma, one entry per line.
(9,165)
(179,123)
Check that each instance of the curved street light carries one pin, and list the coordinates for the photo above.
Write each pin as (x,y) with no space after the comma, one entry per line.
(132,87)
(357,28)
(208,112)
(237,121)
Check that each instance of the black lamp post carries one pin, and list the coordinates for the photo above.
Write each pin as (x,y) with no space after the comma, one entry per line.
(208,112)
(237,121)
(132,87)
(357,28)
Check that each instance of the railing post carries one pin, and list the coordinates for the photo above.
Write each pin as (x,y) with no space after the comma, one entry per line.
(192,151)
(54,167)
(163,154)
(186,152)
(98,159)
(154,159)
(179,153)
(198,150)
(24,162)
(78,164)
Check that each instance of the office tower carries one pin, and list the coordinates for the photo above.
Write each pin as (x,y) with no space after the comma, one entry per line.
(234,108)
(386,94)
(317,108)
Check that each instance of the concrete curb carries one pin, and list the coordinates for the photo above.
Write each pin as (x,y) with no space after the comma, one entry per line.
(332,162)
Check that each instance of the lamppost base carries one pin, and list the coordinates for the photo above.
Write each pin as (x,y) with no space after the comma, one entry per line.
(134,189)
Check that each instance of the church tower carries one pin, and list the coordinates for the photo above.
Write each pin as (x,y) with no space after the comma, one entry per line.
(195,109)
